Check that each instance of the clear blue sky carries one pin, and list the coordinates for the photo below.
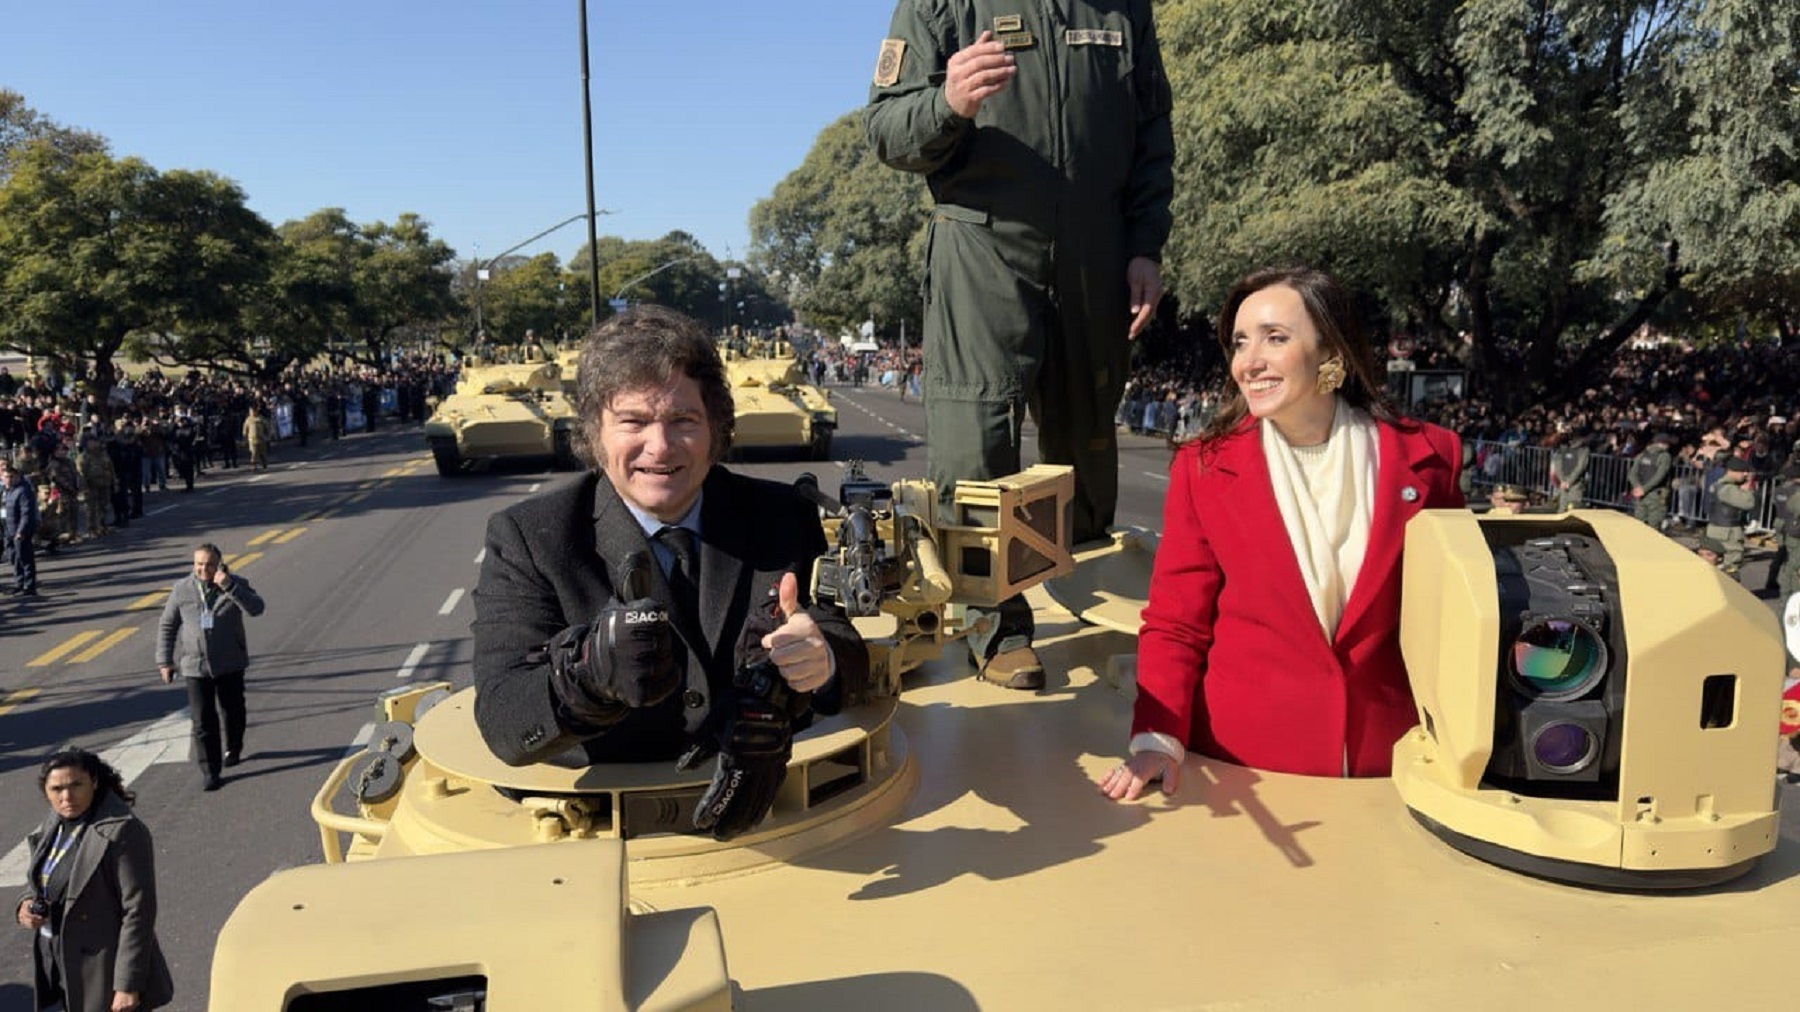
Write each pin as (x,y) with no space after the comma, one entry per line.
(467,113)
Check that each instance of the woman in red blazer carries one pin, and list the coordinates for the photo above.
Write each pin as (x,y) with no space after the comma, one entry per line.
(1271,638)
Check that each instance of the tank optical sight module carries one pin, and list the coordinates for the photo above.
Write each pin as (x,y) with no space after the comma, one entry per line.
(1596,704)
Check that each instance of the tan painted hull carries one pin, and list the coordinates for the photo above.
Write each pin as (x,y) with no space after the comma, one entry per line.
(975,865)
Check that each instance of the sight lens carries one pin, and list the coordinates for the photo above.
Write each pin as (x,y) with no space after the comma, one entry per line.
(1563,747)
(1558,659)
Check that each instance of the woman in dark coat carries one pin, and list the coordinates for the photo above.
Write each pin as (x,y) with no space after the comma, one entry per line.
(92,905)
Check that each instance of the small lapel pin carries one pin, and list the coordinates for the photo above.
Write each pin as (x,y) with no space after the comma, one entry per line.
(1409,494)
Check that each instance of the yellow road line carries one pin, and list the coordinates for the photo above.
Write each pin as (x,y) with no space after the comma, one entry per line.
(244,560)
(289,536)
(112,639)
(265,536)
(15,700)
(367,485)
(308,515)
(149,600)
(70,645)
(358,497)
(326,514)
(393,472)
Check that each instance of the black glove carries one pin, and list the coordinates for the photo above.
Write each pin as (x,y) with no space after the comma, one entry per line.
(754,744)
(623,661)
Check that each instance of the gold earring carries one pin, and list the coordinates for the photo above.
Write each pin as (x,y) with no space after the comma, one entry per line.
(1331,375)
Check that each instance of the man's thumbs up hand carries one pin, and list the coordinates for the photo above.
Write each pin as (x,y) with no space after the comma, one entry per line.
(798,647)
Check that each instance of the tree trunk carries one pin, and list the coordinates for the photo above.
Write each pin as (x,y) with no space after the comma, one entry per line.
(1485,373)
(1601,349)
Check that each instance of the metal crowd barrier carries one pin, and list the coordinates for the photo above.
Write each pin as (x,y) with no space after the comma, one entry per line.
(1609,482)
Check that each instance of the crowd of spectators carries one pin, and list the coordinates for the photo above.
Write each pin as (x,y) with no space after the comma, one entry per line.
(1744,397)
(1740,399)
(94,456)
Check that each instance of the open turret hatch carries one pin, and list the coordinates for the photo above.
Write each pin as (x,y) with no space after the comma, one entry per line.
(435,787)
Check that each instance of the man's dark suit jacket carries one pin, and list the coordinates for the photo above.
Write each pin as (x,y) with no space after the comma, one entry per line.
(552,561)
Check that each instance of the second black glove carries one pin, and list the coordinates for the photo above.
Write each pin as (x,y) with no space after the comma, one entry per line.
(754,746)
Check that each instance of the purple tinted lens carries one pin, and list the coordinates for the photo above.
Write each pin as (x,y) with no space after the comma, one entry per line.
(1564,748)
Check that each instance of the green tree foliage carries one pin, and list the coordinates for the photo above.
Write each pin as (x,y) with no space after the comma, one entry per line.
(21,125)
(678,272)
(1729,192)
(311,290)
(401,279)
(1542,177)
(842,236)
(94,251)
(533,294)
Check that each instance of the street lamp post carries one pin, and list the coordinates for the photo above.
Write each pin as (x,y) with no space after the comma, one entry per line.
(587,148)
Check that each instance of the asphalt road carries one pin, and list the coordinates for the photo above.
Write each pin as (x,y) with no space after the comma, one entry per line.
(365,558)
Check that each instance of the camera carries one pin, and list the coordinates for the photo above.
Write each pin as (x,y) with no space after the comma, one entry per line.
(1597,705)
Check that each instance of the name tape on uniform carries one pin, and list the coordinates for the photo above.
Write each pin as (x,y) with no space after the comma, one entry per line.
(1093,37)
(1017,40)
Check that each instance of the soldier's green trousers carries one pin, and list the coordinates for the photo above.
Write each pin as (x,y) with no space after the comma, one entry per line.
(1570,497)
(1789,578)
(1017,320)
(1733,540)
(1653,508)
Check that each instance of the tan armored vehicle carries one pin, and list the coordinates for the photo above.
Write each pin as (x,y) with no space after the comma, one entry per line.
(503,410)
(776,406)
(568,363)
(941,844)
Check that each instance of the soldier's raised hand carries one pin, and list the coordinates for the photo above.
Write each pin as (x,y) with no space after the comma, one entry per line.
(977,73)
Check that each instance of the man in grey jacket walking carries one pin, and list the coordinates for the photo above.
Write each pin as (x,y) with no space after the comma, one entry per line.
(202,638)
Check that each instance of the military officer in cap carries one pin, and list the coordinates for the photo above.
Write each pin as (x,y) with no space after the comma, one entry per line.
(1650,472)
(1733,497)
(1043,133)
(1568,473)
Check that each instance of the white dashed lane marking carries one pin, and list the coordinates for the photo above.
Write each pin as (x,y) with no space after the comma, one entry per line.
(412,661)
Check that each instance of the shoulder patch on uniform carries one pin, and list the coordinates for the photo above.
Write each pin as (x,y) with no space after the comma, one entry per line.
(887,65)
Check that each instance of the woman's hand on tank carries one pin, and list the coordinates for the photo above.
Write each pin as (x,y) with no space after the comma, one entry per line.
(1126,781)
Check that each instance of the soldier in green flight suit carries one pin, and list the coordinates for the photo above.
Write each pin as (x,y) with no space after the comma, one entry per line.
(1650,473)
(1042,129)
(1568,473)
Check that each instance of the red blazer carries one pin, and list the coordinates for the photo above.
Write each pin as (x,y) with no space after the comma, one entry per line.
(1232,660)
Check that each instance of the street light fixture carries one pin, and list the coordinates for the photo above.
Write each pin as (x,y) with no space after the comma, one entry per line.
(653,272)
(481,266)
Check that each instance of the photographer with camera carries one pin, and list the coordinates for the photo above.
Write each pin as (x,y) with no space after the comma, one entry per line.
(714,649)
(92,904)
